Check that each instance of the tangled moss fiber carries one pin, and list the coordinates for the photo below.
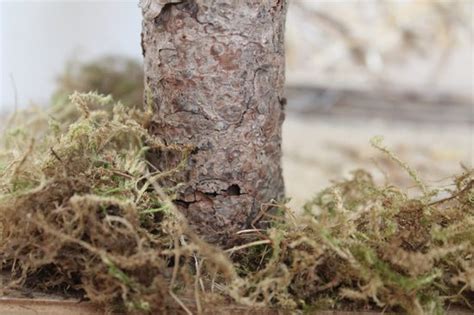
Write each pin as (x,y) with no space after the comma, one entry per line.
(80,214)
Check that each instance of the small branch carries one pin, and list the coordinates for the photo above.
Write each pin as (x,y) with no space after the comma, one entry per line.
(256,243)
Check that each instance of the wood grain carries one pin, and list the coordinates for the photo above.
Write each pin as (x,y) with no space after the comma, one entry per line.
(45,306)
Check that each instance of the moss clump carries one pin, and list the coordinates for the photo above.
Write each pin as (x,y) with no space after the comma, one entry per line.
(110,75)
(80,213)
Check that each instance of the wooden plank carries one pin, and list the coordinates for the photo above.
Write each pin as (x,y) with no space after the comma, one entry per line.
(16,306)
(413,106)
(44,306)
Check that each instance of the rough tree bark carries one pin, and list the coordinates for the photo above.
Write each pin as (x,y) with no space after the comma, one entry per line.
(215,73)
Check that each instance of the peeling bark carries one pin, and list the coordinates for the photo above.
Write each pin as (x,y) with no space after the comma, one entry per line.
(215,71)
(152,8)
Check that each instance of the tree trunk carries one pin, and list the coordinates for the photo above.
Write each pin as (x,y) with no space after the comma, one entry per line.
(214,73)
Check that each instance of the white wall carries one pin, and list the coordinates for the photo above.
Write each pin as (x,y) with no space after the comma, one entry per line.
(38,37)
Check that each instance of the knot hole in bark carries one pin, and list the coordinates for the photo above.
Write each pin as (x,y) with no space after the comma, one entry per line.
(233,190)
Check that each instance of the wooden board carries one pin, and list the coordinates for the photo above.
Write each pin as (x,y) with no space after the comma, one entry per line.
(16,306)
(44,306)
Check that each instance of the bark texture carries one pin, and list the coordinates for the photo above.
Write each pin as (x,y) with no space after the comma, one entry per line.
(215,73)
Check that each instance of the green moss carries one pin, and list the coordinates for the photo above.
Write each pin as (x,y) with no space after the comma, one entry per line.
(81,205)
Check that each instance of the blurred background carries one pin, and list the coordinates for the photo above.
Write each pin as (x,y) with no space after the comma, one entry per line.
(355,69)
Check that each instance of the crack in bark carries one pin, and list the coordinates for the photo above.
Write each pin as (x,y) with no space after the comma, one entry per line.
(232,190)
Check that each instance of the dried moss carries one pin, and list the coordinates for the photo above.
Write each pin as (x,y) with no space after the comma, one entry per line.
(80,214)
(110,75)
